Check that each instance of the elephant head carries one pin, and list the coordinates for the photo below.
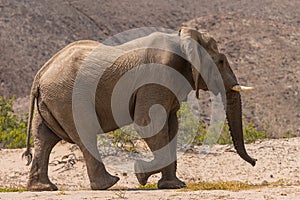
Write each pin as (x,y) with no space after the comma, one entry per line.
(190,41)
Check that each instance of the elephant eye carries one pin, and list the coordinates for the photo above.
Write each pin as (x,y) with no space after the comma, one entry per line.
(221,61)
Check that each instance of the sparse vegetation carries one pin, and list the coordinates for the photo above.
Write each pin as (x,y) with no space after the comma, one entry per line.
(198,130)
(148,186)
(190,123)
(251,134)
(220,185)
(229,185)
(124,141)
(289,134)
(12,189)
(12,127)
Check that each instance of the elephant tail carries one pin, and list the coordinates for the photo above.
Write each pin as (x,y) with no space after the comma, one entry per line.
(33,95)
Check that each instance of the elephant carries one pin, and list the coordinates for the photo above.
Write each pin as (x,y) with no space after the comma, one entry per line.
(51,117)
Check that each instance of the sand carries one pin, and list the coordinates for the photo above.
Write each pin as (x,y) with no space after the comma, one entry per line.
(278,161)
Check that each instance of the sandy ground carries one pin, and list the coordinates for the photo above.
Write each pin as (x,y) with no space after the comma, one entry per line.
(278,160)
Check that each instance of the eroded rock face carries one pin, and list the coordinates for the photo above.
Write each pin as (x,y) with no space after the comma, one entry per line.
(32,31)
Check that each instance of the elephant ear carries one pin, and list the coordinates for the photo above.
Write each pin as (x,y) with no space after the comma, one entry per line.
(201,50)
(189,42)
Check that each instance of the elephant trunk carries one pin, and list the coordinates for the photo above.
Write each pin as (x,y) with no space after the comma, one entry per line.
(234,117)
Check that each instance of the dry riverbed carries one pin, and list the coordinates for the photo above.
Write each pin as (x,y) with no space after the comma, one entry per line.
(277,173)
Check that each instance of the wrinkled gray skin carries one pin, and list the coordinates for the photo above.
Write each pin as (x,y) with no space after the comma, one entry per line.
(53,121)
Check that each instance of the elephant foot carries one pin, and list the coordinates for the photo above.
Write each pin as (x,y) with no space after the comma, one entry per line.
(104,183)
(170,184)
(142,177)
(39,186)
(140,171)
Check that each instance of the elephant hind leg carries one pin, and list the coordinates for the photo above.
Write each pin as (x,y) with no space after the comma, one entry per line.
(100,179)
(44,141)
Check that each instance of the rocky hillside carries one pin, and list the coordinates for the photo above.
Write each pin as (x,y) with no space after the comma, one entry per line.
(261,39)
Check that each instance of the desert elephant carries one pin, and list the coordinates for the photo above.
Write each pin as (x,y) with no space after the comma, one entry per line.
(51,114)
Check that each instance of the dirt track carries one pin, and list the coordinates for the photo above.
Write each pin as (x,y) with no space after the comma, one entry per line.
(291,193)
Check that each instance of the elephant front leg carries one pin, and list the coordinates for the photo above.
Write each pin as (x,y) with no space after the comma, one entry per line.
(169,179)
(163,146)
(158,144)
(158,130)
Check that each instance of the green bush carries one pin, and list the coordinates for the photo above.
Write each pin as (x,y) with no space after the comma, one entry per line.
(189,123)
(125,141)
(251,134)
(188,126)
(12,128)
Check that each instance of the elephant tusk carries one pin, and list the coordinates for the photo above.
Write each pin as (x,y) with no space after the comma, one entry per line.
(240,88)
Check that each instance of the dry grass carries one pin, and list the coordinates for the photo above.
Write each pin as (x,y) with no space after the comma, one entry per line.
(148,186)
(12,189)
(230,185)
(221,185)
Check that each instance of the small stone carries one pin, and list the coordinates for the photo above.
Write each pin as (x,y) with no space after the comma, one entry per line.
(124,174)
(264,183)
(271,176)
